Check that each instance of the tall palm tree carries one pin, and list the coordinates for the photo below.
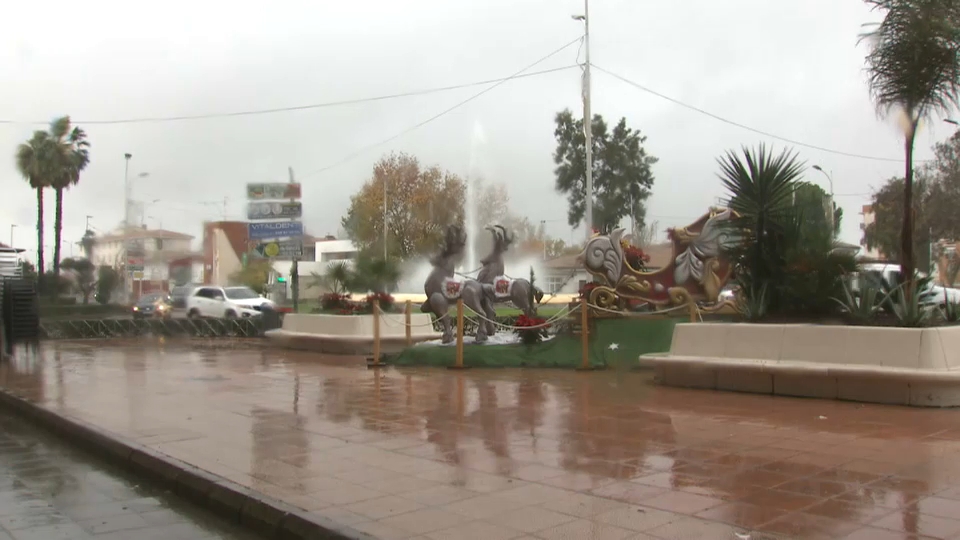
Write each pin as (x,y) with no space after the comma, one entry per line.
(33,162)
(914,69)
(72,155)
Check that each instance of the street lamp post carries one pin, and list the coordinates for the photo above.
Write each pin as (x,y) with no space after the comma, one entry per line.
(587,117)
(12,227)
(830,210)
(127,279)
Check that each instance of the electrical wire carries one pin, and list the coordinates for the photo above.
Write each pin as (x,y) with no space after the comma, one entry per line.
(255,112)
(742,126)
(446,111)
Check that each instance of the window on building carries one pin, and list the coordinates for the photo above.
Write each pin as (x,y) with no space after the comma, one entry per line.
(159,243)
(554,284)
(339,255)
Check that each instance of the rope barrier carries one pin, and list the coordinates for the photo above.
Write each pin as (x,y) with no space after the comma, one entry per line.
(545,324)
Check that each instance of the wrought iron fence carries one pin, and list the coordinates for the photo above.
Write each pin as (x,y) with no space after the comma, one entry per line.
(114,328)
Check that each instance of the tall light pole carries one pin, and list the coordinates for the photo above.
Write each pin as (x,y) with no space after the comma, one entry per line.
(128,287)
(12,227)
(587,116)
(543,237)
(830,210)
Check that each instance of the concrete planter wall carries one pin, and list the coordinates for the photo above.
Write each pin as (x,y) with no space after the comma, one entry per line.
(871,364)
(349,334)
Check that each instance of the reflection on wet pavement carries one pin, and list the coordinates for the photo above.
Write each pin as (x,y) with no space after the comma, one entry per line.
(50,492)
(502,454)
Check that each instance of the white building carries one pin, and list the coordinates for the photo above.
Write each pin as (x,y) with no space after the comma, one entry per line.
(109,249)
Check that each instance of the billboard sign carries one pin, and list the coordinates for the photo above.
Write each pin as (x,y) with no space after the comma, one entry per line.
(270,230)
(266,192)
(274,210)
(286,249)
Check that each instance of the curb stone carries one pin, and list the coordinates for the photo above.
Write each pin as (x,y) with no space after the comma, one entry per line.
(270,517)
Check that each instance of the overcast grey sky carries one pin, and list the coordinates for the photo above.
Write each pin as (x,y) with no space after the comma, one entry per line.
(789,68)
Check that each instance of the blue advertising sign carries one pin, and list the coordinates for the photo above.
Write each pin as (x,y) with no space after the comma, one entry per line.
(274,229)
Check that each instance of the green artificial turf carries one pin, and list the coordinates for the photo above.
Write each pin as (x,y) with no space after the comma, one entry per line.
(632,336)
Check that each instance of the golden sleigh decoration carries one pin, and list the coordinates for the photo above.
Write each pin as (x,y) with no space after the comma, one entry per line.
(697,272)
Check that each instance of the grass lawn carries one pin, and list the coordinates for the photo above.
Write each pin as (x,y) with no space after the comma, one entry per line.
(612,343)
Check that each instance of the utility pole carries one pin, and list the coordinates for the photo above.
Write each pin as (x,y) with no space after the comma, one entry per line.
(587,116)
(12,227)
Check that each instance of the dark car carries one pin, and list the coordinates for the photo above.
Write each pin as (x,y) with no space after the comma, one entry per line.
(179,295)
(153,305)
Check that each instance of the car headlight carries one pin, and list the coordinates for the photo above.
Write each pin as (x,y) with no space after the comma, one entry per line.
(135,308)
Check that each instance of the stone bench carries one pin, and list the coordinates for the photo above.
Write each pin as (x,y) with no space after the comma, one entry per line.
(350,334)
(903,366)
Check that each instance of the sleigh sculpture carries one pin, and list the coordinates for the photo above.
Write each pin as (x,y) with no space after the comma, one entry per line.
(697,271)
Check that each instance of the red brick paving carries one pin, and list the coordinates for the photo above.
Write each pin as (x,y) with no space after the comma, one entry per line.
(430,453)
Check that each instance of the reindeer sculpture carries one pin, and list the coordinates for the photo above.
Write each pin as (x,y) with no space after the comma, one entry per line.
(442,286)
(499,288)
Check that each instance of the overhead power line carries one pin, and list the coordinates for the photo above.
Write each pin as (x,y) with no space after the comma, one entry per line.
(255,112)
(499,82)
(742,126)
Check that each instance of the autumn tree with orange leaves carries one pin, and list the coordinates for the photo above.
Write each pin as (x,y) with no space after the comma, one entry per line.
(421,202)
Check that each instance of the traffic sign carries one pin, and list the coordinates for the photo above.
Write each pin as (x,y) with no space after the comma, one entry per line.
(274,210)
(269,230)
(266,192)
(287,249)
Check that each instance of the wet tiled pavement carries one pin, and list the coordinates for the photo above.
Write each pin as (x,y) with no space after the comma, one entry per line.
(508,454)
(49,491)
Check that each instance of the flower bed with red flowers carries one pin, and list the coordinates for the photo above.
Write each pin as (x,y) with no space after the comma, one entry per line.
(334,301)
(531,330)
(385,299)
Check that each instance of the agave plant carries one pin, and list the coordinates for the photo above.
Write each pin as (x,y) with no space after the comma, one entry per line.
(950,310)
(752,302)
(863,307)
(907,306)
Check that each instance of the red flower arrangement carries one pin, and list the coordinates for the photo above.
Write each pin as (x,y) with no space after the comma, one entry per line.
(587,289)
(530,330)
(635,257)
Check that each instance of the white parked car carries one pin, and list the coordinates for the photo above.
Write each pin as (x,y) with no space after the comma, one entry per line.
(225,302)
(889,276)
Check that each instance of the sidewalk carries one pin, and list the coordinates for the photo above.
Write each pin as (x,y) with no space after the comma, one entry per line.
(512,454)
(49,491)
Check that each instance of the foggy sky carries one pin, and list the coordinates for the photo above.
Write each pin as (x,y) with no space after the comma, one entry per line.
(790,68)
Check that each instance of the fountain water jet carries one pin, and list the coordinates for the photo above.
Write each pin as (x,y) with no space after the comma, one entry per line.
(470,203)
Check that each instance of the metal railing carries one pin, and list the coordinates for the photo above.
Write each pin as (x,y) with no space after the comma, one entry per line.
(119,328)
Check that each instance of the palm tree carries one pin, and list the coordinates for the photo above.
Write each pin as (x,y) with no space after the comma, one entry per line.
(72,156)
(33,163)
(914,68)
